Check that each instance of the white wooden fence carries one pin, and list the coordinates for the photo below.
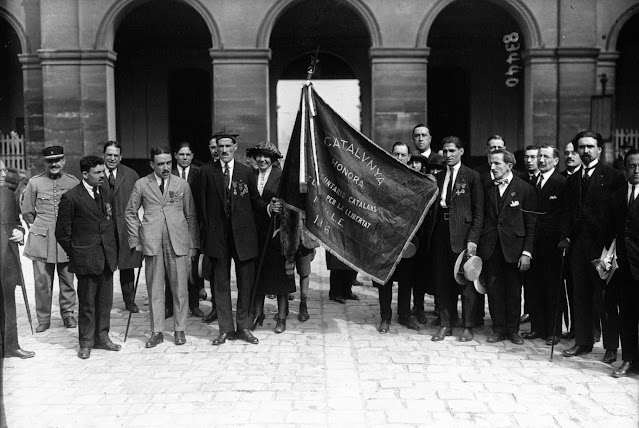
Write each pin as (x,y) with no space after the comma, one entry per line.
(12,151)
(621,136)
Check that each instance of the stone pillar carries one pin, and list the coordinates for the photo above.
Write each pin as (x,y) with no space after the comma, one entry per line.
(33,121)
(577,84)
(241,94)
(607,64)
(398,85)
(540,97)
(78,101)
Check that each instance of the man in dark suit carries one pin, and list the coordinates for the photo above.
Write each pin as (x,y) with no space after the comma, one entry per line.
(459,217)
(587,195)
(121,179)
(624,227)
(494,142)
(228,195)
(422,139)
(11,234)
(545,271)
(531,176)
(506,244)
(186,170)
(86,230)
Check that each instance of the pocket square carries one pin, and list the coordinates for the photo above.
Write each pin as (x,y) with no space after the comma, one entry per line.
(514,204)
(551,197)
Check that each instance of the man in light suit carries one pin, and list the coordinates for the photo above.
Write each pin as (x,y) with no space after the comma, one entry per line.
(121,179)
(11,234)
(624,226)
(506,244)
(168,238)
(228,197)
(459,216)
(86,230)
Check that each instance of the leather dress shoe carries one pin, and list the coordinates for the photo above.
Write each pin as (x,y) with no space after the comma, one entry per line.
(337,299)
(524,319)
(107,346)
(466,335)
(180,338)
(19,353)
(247,336)
(84,353)
(409,323)
(351,296)
(577,350)
(442,333)
(303,315)
(223,337)
(625,368)
(70,322)
(568,335)
(495,337)
(552,340)
(530,335)
(384,326)
(155,340)
(210,317)
(610,356)
(515,338)
(132,307)
(197,312)
(202,294)
(168,313)
(421,317)
(280,327)
(42,328)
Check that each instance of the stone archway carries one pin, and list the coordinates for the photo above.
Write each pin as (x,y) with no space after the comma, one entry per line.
(12,112)
(625,37)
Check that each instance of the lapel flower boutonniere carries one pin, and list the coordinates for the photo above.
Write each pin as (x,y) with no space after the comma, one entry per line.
(109,211)
(514,203)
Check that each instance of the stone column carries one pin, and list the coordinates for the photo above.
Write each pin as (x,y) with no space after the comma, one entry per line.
(33,121)
(398,83)
(540,97)
(78,101)
(241,94)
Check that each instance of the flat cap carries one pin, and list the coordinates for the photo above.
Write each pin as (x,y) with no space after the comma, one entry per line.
(224,133)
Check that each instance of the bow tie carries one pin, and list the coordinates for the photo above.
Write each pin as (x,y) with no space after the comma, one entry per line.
(500,181)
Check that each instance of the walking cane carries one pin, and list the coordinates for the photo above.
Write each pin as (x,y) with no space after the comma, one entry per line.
(135,289)
(561,282)
(26,300)
(258,271)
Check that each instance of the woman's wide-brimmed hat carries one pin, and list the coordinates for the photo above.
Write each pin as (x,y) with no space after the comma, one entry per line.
(264,148)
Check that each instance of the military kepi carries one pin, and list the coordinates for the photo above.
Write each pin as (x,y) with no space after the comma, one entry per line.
(53,152)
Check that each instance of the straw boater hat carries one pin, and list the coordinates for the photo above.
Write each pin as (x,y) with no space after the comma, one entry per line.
(264,148)
(468,270)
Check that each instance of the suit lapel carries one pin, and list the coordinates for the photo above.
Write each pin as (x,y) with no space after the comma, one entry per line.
(219,182)
(88,200)
(119,179)
(461,178)
(508,195)
(153,185)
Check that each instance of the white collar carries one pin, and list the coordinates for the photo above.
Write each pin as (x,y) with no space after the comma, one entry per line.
(427,153)
(231,164)
(547,174)
(113,172)
(159,179)
(593,164)
(89,188)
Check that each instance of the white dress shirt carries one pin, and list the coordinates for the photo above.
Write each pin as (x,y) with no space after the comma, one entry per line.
(89,188)
(545,176)
(262,178)
(231,165)
(447,182)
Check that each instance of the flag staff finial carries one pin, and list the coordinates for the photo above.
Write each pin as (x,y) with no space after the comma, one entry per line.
(311,68)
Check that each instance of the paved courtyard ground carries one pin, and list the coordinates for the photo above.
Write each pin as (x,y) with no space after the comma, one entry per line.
(333,370)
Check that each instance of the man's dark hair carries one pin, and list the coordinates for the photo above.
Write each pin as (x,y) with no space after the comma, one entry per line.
(531,147)
(88,162)
(508,156)
(452,139)
(112,143)
(182,145)
(631,152)
(400,143)
(159,151)
(420,125)
(588,134)
(495,137)
(555,151)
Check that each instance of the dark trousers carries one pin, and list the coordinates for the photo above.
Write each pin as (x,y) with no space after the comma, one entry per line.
(586,285)
(245,272)
(127,283)
(503,284)
(628,294)
(8,322)
(403,300)
(95,300)
(545,285)
(341,281)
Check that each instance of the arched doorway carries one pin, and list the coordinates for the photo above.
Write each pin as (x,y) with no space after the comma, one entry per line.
(626,85)
(11,88)
(475,76)
(162,80)
(343,40)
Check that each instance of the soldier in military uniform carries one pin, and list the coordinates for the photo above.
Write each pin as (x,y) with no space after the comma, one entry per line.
(40,211)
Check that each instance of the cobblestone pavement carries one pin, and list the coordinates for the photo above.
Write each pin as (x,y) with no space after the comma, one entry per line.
(333,370)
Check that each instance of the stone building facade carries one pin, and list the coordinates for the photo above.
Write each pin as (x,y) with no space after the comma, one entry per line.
(151,72)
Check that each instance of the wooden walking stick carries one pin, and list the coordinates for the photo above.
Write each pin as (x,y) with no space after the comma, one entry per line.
(135,289)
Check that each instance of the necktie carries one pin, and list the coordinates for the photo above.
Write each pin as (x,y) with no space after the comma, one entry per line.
(632,197)
(226,175)
(98,197)
(162,187)
(227,180)
(111,181)
(585,179)
(183,174)
(541,178)
(449,191)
